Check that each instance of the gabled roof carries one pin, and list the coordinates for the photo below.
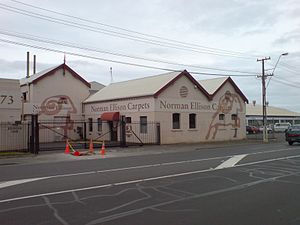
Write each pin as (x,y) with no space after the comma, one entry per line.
(143,87)
(212,86)
(96,85)
(256,110)
(48,72)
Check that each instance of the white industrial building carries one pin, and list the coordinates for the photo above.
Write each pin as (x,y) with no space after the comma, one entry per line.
(187,110)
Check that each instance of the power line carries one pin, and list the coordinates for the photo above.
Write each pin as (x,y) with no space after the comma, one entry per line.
(127,30)
(288,68)
(115,34)
(286,83)
(289,65)
(117,61)
(74,45)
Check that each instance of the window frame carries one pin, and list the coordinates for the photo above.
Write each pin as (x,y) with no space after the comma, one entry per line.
(90,124)
(143,125)
(176,121)
(222,116)
(234,117)
(99,124)
(192,120)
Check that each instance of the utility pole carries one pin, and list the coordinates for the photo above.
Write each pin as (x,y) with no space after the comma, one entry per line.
(264,108)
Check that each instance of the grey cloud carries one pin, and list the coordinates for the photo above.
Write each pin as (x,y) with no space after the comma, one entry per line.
(17,69)
(292,37)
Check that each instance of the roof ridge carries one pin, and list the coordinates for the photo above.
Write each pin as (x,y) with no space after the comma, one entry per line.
(215,78)
(151,76)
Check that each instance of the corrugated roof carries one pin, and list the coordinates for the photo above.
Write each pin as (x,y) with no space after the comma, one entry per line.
(35,76)
(96,85)
(212,85)
(50,71)
(256,110)
(133,88)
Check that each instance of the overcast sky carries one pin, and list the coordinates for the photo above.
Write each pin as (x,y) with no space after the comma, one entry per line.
(202,36)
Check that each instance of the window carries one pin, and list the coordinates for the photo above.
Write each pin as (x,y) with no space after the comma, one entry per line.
(233,117)
(143,124)
(221,117)
(176,121)
(192,121)
(24,96)
(90,121)
(99,123)
(128,119)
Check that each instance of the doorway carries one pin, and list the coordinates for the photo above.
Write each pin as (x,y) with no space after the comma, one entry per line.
(113,128)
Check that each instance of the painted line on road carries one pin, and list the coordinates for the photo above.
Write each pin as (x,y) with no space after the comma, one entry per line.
(231,162)
(15,182)
(140,180)
(22,181)
(104,186)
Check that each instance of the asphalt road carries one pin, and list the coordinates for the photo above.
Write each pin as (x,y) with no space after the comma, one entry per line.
(255,184)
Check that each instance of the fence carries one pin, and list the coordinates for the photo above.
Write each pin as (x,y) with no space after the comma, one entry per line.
(53,134)
(137,133)
(37,135)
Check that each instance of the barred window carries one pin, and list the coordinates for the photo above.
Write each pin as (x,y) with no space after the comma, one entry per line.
(176,120)
(192,121)
(90,122)
(128,119)
(143,124)
(233,117)
(99,123)
(221,117)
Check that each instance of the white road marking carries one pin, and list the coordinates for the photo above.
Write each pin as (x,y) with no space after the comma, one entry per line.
(104,185)
(231,162)
(15,182)
(139,180)
(22,181)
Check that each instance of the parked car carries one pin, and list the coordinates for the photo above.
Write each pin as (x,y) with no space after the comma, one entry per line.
(292,134)
(269,129)
(252,130)
(281,127)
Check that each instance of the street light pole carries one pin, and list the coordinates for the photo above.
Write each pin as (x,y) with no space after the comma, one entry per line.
(264,92)
(264,108)
(283,54)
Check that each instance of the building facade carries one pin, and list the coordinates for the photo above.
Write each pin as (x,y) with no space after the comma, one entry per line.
(274,115)
(56,96)
(171,107)
(10,100)
(185,111)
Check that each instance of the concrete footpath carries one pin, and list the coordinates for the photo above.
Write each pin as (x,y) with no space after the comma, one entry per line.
(58,156)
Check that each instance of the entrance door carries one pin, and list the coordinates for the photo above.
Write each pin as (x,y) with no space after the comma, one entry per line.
(113,128)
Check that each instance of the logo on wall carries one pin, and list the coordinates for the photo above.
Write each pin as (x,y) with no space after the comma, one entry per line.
(229,104)
(55,104)
(183,91)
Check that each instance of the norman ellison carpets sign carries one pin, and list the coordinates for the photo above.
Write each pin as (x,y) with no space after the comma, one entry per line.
(161,105)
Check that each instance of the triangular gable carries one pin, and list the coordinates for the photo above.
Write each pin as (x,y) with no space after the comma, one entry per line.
(236,88)
(49,72)
(189,76)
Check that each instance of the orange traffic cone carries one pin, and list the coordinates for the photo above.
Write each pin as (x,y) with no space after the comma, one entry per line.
(67,150)
(102,152)
(91,147)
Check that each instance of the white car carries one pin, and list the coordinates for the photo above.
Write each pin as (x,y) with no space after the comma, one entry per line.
(281,127)
(269,129)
